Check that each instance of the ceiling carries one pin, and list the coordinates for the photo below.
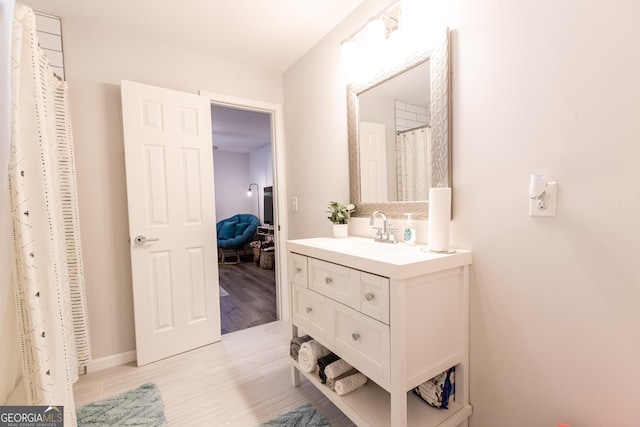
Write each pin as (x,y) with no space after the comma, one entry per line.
(239,131)
(270,35)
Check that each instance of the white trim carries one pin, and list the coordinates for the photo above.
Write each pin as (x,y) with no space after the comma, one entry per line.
(280,191)
(111,361)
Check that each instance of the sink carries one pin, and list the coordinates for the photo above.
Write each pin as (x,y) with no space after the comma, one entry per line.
(391,260)
(366,247)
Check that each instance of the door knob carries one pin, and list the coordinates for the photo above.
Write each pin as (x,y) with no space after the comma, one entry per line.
(141,240)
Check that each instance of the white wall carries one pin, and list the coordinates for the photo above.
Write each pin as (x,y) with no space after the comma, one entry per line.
(316,129)
(231,180)
(261,172)
(537,87)
(96,60)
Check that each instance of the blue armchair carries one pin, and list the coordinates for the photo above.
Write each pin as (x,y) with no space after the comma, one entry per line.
(234,233)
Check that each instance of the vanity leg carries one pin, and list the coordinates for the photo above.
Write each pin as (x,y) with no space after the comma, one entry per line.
(295,376)
(398,409)
(295,373)
(398,357)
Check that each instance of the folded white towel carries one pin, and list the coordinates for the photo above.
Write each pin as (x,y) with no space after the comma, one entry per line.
(309,354)
(350,383)
(337,368)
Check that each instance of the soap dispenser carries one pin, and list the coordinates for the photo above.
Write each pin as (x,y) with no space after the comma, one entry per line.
(409,234)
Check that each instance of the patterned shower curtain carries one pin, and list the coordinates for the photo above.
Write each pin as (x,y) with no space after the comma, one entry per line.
(47,273)
(415,157)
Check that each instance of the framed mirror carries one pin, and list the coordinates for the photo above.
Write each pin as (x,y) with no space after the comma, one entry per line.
(398,131)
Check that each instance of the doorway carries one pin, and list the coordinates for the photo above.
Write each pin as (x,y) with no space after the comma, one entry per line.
(243,177)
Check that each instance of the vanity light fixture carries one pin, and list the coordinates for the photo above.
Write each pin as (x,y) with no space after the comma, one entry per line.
(349,50)
(375,33)
(402,29)
(364,50)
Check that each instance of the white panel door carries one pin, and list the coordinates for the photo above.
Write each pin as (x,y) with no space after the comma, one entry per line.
(373,162)
(169,166)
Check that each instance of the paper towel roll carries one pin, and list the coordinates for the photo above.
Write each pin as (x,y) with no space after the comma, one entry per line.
(439,219)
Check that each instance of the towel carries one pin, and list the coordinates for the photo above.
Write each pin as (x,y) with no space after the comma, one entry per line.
(309,354)
(323,362)
(350,383)
(337,368)
(331,382)
(296,342)
(438,390)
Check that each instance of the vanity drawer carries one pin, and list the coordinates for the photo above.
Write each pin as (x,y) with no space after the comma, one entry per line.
(363,342)
(313,313)
(334,281)
(374,296)
(299,269)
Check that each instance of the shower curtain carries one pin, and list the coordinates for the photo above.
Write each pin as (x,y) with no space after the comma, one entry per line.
(415,158)
(47,273)
(9,357)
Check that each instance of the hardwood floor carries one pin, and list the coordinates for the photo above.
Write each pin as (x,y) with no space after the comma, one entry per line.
(243,380)
(251,299)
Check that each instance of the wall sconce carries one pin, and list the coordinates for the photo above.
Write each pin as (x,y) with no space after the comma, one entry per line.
(542,196)
(250,194)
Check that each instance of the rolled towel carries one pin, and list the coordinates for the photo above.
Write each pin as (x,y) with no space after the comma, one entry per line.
(350,383)
(323,362)
(309,354)
(331,382)
(296,342)
(337,368)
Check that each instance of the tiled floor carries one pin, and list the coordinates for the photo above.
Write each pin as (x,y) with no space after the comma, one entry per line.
(241,381)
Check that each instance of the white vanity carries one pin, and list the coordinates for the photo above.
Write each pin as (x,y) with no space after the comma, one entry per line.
(397,314)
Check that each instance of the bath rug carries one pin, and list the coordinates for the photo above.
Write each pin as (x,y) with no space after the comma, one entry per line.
(142,407)
(303,416)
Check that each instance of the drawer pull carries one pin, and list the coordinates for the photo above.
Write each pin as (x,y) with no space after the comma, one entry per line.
(368,296)
(308,309)
(328,280)
(298,270)
(355,336)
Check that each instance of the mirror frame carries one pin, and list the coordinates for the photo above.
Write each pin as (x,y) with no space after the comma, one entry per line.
(438,55)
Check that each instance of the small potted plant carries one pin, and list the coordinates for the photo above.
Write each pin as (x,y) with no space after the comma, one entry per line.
(340,216)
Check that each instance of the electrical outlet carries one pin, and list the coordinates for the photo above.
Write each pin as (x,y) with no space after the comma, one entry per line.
(546,206)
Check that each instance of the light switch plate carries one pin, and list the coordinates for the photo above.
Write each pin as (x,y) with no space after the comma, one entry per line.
(294,204)
(546,206)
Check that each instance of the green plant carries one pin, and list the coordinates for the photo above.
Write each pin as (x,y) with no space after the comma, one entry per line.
(340,214)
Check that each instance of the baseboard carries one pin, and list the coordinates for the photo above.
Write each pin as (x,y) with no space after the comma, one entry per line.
(111,361)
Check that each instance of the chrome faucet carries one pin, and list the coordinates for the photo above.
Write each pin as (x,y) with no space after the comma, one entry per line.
(385,233)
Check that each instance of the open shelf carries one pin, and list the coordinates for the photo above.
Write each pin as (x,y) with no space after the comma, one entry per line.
(370,405)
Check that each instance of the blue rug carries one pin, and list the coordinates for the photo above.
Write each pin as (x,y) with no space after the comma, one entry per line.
(304,416)
(142,407)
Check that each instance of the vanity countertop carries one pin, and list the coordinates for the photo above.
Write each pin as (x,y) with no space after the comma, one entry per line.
(397,261)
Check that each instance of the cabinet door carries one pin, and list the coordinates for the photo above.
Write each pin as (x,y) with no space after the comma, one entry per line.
(363,342)
(299,269)
(374,296)
(335,281)
(314,314)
